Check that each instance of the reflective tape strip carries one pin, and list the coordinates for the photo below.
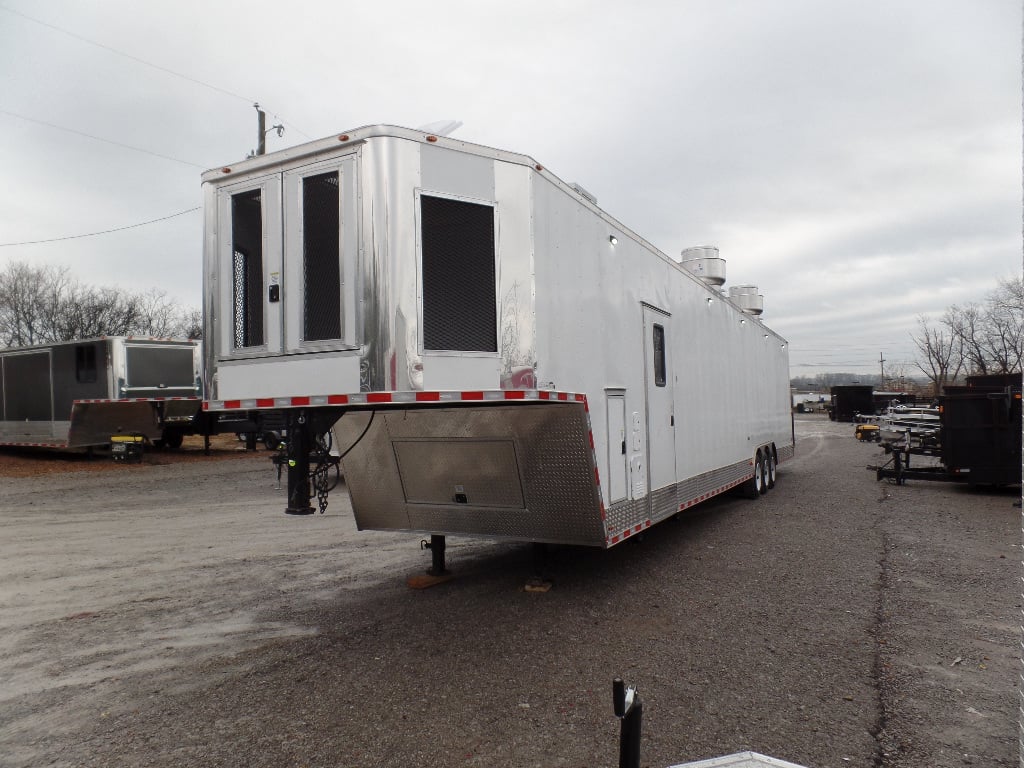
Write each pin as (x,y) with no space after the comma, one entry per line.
(387,398)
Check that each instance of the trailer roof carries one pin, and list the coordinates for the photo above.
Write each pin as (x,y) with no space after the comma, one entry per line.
(355,136)
(252,165)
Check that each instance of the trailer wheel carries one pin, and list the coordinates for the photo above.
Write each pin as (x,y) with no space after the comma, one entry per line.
(754,487)
(271,440)
(771,465)
(172,439)
(766,459)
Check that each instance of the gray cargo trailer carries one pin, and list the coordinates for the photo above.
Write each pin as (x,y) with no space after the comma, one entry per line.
(78,394)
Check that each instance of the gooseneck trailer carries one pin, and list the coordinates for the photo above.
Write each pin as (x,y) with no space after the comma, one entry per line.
(494,354)
(79,394)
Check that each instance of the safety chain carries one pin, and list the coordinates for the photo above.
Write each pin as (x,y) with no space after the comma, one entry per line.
(320,482)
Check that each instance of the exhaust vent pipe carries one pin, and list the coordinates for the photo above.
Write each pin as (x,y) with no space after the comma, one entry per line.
(704,262)
(747,298)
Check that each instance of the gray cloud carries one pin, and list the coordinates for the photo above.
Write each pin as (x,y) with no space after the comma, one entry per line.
(860,162)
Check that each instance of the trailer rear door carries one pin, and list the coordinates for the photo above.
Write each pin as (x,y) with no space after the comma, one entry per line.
(249,267)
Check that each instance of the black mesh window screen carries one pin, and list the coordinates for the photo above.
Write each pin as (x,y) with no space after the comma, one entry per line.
(320,253)
(459,290)
(659,356)
(247,268)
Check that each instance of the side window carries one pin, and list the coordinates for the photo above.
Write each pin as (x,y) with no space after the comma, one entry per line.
(659,355)
(320,257)
(247,268)
(460,305)
(85,364)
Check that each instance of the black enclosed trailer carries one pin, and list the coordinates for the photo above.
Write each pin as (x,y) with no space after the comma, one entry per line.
(850,400)
(78,394)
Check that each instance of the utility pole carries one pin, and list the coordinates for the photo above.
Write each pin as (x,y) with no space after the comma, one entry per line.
(261,128)
(881,363)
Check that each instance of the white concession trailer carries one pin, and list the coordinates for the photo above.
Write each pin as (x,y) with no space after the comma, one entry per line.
(496,355)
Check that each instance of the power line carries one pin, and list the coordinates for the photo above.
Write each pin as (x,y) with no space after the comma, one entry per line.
(137,60)
(99,138)
(104,232)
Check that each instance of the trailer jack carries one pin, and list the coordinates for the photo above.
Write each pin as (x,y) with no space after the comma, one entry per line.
(437,573)
(308,446)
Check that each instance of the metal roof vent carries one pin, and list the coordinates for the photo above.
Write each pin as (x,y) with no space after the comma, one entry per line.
(704,262)
(747,298)
(583,193)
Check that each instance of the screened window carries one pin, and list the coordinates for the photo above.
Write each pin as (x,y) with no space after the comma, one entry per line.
(659,355)
(247,268)
(459,289)
(320,257)
(85,364)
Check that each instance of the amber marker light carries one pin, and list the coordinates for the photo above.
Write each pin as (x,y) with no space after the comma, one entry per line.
(343,137)
(431,138)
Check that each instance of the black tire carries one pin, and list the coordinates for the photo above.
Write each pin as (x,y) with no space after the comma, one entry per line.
(172,439)
(771,469)
(271,440)
(765,459)
(752,489)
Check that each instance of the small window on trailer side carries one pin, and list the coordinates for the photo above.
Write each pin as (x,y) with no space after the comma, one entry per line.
(460,304)
(247,268)
(659,355)
(321,250)
(85,364)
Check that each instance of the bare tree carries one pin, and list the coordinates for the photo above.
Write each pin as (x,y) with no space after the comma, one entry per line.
(27,301)
(975,338)
(40,305)
(1004,327)
(940,358)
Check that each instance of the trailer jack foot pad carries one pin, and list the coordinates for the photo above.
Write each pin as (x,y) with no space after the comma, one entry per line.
(537,585)
(427,580)
(299,511)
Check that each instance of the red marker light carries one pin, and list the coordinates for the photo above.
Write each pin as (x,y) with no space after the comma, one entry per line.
(431,138)
(343,137)
(225,170)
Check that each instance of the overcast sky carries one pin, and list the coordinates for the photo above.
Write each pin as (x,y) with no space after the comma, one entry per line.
(859,161)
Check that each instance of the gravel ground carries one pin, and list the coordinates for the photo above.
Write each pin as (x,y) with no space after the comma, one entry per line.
(169,614)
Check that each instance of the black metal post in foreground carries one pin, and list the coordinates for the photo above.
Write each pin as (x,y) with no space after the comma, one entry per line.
(298,465)
(630,710)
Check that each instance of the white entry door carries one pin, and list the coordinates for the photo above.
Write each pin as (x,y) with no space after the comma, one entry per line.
(659,382)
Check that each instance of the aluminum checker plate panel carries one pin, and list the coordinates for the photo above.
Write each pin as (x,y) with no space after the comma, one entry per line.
(553,465)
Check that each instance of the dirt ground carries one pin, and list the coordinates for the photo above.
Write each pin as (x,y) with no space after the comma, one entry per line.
(169,614)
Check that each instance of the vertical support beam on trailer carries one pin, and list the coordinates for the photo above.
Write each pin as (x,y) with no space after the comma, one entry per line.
(298,465)
(437,545)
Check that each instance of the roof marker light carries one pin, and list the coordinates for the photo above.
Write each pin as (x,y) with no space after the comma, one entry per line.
(343,137)
(225,170)
(613,239)
(431,138)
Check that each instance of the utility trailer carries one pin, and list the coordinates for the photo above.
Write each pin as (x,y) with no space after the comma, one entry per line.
(78,394)
(495,355)
(979,437)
